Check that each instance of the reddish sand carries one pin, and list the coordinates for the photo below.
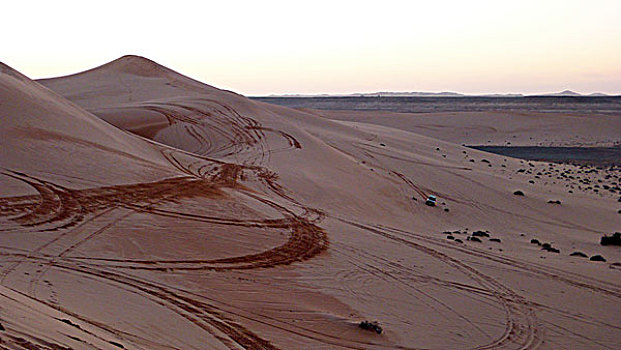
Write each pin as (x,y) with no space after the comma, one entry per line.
(141,209)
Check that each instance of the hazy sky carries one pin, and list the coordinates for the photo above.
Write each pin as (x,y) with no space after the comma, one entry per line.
(264,47)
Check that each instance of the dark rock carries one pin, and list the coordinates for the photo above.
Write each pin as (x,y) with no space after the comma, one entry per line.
(484,161)
(614,239)
(597,258)
(495,240)
(371,326)
(2,327)
(117,344)
(475,239)
(535,241)
(480,234)
(554,201)
(450,237)
(383,145)
(518,193)
(458,240)
(579,254)
(446,209)
(546,246)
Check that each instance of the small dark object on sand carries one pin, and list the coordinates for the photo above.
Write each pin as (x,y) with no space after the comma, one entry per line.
(480,234)
(554,201)
(495,240)
(518,193)
(597,258)
(548,247)
(474,239)
(579,254)
(2,327)
(535,241)
(371,326)
(614,239)
(458,240)
(450,237)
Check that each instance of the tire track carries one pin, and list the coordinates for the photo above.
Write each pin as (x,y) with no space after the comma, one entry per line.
(522,327)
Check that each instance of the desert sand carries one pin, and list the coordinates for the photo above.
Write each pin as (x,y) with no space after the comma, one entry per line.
(141,209)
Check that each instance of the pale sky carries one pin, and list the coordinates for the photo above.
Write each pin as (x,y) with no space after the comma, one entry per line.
(275,47)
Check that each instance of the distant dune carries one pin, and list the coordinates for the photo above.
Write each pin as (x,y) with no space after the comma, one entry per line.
(142,209)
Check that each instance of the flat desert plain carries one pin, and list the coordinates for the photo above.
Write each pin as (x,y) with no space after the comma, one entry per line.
(141,209)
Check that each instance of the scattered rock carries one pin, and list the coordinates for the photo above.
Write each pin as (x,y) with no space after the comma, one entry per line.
(548,247)
(446,209)
(371,326)
(579,254)
(474,239)
(597,258)
(554,201)
(458,240)
(614,239)
(2,327)
(450,237)
(484,161)
(383,145)
(495,240)
(480,234)
(535,241)
(117,344)
(518,193)
(64,320)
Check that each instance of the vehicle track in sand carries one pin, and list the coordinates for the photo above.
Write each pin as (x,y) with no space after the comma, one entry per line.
(566,277)
(523,329)
(56,204)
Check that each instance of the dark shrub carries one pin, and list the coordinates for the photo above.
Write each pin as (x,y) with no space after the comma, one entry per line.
(579,254)
(614,239)
(597,258)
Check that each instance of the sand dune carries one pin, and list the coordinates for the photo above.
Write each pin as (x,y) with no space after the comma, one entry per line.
(142,209)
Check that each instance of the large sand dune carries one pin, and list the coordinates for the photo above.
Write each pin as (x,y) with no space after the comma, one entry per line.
(142,209)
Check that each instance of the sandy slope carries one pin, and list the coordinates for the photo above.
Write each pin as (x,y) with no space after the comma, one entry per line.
(254,226)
